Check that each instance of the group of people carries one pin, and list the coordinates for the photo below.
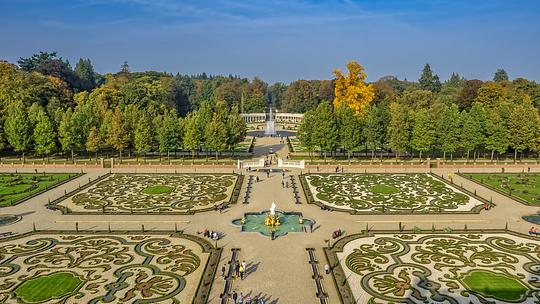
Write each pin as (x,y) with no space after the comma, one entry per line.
(210,234)
(534,231)
(241,299)
(337,233)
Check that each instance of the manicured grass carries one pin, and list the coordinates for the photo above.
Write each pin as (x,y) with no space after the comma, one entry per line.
(17,186)
(494,285)
(523,185)
(384,189)
(47,287)
(158,189)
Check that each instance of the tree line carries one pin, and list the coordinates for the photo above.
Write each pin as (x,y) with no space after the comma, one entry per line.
(430,118)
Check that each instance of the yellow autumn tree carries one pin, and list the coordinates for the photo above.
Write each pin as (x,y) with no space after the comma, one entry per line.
(352,89)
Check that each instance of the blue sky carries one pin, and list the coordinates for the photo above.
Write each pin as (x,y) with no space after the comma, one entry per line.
(280,40)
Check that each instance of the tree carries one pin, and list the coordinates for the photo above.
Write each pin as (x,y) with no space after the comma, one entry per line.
(399,129)
(143,135)
(17,128)
(500,75)
(450,131)
(68,136)
(350,129)
(423,133)
(352,89)
(522,126)
(44,135)
(86,74)
(192,135)
(94,141)
(429,81)
(236,127)
(490,94)
(325,132)
(32,63)
(496,132)
(118,135)
(468,94)
(306,132)
(473,132)
(215,135)
(375,129)
(169,133)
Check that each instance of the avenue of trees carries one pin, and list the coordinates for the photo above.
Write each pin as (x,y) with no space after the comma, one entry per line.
(429,118)
(46,107)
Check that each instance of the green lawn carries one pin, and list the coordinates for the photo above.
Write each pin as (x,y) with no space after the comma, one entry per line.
(17,186)
(523,185)
(47,287)
(384,189)
(493,285)
(158,189)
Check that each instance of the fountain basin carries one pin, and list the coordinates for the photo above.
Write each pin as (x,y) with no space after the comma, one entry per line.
(289,222)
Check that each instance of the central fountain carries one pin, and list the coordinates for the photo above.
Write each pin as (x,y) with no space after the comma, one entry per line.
(272,221)
(270,125)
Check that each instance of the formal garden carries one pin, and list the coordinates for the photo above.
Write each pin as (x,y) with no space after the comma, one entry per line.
(388,193)
(105,268)
(154,193)
(523,187)
(446,267)
(17,187)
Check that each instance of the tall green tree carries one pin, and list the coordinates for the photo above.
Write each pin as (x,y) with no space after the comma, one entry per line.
(376,121)
(522,127)
(192,135)
(44,135)
(143,135)
(423,132)
(496,132)
(169,134)
(18,129)
(326,132)
(399,129)
(429,81)
(450,131)
(85,71)
(67,132)
(94,142)
(500,75)
(473,132)
(118,134)
(236,128)
(215,135)
(350,129)
(306,132)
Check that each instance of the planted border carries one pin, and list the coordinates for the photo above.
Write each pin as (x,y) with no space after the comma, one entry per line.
(490,187)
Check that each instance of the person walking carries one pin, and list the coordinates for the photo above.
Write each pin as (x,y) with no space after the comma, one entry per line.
(234,297)
(223,271)
(311,227)
(241,272)
(241,299)
(237,269)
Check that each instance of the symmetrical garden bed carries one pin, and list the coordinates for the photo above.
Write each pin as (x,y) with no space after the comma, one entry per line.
(69,267)
(465,267)
(154,193)
(388,193)
(523,187)
(18,187)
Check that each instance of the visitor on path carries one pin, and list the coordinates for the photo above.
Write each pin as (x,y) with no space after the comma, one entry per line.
(242,272)
(326,269)
(235,297)
(257,179)
(318,168)
(311,227)
(286,184)
(237,269)
(282,184)
(241,299)
(267,174)
(244,264)
(283,174)
(273,235)
(223,271)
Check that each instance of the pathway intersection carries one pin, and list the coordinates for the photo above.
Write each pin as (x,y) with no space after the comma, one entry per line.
(277,269)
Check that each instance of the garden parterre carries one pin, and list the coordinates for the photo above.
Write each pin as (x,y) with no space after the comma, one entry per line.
(466,267)
(387,193)
(104,268)
(154,193)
